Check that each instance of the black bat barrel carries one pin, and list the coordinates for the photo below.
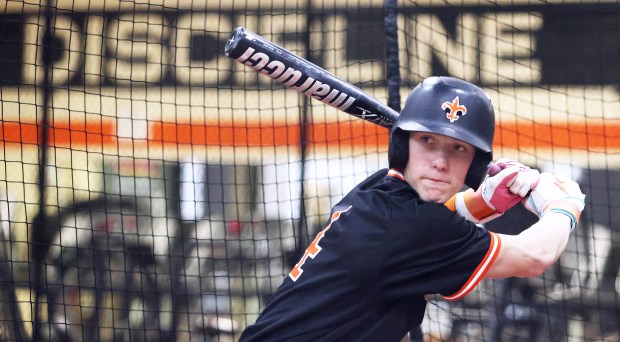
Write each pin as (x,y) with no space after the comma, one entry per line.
(294,72)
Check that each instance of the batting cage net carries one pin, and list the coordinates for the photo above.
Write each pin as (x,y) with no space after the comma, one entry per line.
(154,189)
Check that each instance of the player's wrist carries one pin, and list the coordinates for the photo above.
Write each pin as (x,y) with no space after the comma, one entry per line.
(473,206)
(560,218)
(568,206)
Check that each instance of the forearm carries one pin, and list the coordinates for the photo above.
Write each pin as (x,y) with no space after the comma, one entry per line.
(547,238)
(558,202)
(534,250)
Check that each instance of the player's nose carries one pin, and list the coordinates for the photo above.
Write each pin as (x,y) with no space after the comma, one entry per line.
(440,160)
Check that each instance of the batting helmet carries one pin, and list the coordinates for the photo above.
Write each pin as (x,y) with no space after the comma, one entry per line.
(450,107)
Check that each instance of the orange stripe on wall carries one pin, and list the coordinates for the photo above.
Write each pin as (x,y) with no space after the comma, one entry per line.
(594,137)
(68,135)
(249,135)
(344,133)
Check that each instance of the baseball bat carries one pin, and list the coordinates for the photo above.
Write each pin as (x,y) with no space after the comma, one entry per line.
(292,71)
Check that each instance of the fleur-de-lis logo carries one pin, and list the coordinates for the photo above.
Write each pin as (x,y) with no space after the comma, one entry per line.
(453,109)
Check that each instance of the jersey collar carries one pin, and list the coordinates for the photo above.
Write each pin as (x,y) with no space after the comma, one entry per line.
(395,173)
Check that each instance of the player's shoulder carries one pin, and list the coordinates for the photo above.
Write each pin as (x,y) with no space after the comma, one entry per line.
(430,224)
(386,194)
(373,180)
(387,182)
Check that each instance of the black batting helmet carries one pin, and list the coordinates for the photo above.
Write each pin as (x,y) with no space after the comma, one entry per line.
(450,107)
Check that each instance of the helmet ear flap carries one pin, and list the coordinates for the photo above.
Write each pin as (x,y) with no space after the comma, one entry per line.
(398,149)
(478,169)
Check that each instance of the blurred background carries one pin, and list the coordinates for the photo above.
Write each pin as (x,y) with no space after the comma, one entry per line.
(152,189)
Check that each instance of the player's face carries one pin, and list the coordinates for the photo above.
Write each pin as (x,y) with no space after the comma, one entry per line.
(437,165)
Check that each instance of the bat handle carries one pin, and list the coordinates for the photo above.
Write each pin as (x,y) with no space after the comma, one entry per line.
(495,169)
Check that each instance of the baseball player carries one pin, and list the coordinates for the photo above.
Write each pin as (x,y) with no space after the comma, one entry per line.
(407,232)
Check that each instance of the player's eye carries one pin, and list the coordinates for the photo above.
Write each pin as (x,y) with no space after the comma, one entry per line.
(426,139)
(460,148)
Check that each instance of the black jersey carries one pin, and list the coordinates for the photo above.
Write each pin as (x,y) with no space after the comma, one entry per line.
(366,274)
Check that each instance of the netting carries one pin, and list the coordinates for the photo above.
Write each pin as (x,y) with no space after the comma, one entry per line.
(153,189)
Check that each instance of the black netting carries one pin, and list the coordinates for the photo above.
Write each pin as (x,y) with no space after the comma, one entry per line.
(152,189)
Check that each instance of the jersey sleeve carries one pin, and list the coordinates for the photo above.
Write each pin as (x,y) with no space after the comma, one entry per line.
(481,270)
(438,252)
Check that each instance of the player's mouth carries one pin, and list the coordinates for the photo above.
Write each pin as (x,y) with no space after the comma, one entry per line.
(434,190)
(437,181)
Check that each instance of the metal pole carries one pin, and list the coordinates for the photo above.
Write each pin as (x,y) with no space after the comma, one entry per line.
(38,228)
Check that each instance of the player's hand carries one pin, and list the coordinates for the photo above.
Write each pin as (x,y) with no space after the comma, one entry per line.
(507,183)
(556,194)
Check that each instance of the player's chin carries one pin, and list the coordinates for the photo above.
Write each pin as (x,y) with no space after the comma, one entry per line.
(438,192)
(436,195)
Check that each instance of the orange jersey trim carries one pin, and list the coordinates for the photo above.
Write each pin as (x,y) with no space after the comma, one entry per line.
(451,203)
(396,173)
(480,271)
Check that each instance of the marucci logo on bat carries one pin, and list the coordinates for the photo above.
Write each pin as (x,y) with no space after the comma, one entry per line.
(289,77)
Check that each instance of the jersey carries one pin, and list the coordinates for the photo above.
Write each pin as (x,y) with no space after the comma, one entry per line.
(366,274)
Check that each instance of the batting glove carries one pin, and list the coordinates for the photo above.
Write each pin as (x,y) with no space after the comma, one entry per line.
(556,194)
(506,184)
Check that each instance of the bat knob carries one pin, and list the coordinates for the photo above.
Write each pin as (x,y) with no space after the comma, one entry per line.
(494,169)
(233,40)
